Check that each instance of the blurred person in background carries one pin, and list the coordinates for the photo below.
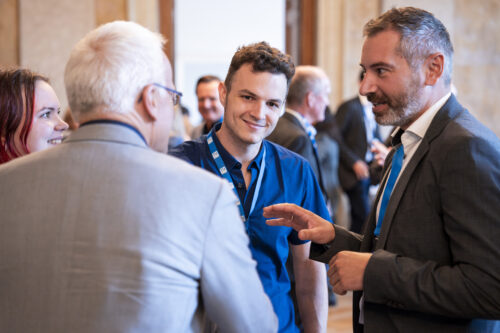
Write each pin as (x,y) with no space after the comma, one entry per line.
(209,106)
(29,114)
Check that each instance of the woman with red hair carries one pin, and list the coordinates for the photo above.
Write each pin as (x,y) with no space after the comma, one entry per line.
(29,114)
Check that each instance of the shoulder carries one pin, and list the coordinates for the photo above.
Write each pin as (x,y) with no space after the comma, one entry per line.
(461,141)
(288,159)
(190,151)
(286,131)
(350,104)
(196,132)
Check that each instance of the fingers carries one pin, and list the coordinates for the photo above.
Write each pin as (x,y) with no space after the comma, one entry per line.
(284,210)
(338,289)
(280,222)
(288,211)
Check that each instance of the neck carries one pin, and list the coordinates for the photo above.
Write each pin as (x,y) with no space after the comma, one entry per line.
(132,119)
(434,95)
(241,151)
(303,111)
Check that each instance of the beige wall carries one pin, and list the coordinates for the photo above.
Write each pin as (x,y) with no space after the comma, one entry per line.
(40,34)
(9,46)
(48,30)
(473,27)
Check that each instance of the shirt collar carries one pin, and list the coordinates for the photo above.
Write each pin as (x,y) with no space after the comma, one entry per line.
(115,122)
(420,126)
(303,121)
(230,162)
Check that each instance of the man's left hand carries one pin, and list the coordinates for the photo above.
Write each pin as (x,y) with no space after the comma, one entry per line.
(346,271)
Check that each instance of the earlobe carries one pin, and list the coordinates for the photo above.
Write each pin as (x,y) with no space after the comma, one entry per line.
(434,68)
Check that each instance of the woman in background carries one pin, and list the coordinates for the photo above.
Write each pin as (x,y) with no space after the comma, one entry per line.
(29,114)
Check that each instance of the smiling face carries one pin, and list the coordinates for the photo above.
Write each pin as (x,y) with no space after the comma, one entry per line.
(253,105)
(47,127)
(208,102)
(394,88)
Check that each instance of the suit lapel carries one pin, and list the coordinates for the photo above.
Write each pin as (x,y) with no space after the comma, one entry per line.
(449,110)
(369,228)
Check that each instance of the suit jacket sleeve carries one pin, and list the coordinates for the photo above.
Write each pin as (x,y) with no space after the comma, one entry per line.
(345,240)
(232,293)
(469,190)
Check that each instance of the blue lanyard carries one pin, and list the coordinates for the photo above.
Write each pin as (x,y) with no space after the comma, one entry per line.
(224,173)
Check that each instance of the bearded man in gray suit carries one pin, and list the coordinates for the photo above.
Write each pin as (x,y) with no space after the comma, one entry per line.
(428,257)
(105,234)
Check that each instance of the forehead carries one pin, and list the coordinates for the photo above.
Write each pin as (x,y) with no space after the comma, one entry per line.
(208,88)
(264,84)
(44,93)
(381,48)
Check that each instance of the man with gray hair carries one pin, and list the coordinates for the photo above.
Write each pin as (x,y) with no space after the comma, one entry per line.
(428,257)
(106,233)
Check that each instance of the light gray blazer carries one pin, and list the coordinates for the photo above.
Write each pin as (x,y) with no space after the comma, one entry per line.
(102,234)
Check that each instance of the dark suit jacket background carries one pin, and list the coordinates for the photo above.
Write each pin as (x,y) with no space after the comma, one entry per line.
(290,134)
(435,266)
(353,146)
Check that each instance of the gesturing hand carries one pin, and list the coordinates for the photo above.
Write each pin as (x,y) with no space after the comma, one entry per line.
(309,225)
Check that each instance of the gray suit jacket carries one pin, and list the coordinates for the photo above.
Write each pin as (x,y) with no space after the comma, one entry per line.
(435,266)
(102,234)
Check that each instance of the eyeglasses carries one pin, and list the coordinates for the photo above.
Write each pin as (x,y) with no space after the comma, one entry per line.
(176,95)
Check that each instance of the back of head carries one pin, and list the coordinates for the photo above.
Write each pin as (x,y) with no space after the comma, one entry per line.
(17,100)
(263,58)
(306,79)
(110,66)
(422,34)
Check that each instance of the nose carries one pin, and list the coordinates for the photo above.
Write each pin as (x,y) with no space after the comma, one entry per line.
(259,112)
(61,125)
(367,85)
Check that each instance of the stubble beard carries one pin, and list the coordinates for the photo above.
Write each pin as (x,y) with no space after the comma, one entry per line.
(404,107)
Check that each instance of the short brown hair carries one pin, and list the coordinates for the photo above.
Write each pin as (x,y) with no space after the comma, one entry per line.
(263,58)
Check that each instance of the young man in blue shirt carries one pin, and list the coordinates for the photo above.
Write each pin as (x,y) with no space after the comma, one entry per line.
(263,173)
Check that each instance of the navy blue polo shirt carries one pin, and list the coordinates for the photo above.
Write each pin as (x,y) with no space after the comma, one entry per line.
(287,178)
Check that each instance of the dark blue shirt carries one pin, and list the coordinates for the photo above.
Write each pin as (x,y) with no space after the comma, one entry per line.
(287,178)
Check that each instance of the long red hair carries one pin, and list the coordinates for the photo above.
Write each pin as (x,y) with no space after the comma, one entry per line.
(17,101)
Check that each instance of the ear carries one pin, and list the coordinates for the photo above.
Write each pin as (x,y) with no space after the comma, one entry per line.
(434,67)
(309,99)
(222,93)
(150,101)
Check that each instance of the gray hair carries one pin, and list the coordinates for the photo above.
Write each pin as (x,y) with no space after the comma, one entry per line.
(306,79)
(422,34)
(111,65)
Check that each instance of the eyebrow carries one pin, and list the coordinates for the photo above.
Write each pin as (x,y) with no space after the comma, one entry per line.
(379,64)
(48,108)
(246,91)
